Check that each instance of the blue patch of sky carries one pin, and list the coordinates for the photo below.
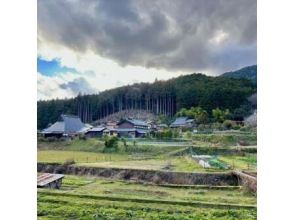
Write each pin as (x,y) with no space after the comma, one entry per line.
(53,67)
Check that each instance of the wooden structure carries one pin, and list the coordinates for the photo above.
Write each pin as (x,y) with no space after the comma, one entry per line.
(183,122)
(95,132)
(132,128)
(50,180)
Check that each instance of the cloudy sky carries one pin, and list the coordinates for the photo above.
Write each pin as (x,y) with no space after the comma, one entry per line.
(88,46)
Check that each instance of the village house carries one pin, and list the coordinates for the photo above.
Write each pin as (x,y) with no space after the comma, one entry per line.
(67,125)
(132,128)
(110,131)
(96,132)
(161,127)
(183,122)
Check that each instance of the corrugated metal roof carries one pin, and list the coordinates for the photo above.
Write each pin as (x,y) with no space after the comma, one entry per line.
(47,178)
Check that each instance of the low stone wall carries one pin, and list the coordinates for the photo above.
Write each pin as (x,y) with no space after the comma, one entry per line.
(158,177)
(247,180)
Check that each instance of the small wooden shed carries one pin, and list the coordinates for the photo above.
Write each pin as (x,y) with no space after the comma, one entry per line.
(50,180)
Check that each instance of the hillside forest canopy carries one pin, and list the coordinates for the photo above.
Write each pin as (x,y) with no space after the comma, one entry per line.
(167,98)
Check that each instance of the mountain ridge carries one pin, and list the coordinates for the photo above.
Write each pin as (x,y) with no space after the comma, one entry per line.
(248,72)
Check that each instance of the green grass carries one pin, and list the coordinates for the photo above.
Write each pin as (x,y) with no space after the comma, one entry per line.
(89,145)
(226,139)
(141,161)
(152,155)
(60,156)
(248,162)
(84,198)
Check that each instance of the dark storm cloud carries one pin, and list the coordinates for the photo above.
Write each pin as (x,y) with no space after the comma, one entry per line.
(188,35)
(78,85)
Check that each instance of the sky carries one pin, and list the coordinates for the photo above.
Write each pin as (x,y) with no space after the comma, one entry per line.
(88,46)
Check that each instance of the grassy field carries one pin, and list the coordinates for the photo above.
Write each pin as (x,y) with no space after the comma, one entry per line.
(96,198)
(61,156)
(248,162)
(140,161)
(223,140)
(102,199)
(162,146)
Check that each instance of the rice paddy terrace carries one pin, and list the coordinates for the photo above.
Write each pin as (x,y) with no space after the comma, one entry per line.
(124,190)
(98,198)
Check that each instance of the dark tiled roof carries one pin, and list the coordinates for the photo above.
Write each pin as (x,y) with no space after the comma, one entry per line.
(97,129)
(181,121)
(57,127)
(141,131)
(125,129)
(136,122)
(68,124)
(72,123)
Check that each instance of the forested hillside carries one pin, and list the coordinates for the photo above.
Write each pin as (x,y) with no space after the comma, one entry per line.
(160,97)
(249,72)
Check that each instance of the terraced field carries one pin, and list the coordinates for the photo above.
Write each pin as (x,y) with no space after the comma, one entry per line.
(144,161)
(96,198)
(89,197)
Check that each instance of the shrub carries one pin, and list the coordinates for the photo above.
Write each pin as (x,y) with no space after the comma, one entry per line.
(82,137)
(41,139)
(188,134)
(51,139)
(111,144)
(228,124)
(69,162)
(125,144)
(216,126)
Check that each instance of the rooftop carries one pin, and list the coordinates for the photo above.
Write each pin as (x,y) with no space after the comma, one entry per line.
(67,124)
(100,128)
(47,178)
(136,122)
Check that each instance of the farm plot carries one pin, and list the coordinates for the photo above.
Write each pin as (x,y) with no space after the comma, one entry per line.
(141,161)
(60,156)
(96,198)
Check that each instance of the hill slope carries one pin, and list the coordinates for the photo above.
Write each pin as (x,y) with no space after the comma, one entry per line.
(249,72)
(160,98)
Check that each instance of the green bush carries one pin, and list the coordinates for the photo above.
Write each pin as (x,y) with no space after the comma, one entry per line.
(52,139)
(82,137)
(69,162)
(111,144)
(228,124)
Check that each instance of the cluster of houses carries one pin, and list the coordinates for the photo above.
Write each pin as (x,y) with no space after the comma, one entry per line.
(69,125)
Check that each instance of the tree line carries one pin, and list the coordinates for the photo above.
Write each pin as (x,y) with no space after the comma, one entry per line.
(161,98)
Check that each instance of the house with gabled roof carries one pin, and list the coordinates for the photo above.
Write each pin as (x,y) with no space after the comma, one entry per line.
(67,125)
(96,131)
(182,122)
(132,128)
